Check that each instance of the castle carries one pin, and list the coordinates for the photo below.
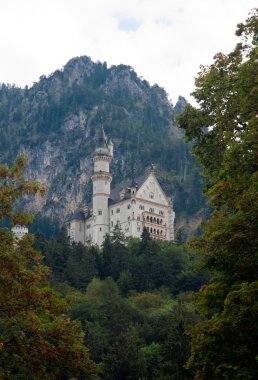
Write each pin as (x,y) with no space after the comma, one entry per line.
(133,206)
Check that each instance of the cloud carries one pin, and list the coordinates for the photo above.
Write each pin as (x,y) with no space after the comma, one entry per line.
(164,41)
(128,24)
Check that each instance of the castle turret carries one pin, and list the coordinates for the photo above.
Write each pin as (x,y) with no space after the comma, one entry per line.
(101,179)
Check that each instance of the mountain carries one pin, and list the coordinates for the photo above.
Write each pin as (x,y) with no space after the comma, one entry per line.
(55,124)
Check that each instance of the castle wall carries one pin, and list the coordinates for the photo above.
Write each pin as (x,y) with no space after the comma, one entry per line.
(76,231)
(134,214)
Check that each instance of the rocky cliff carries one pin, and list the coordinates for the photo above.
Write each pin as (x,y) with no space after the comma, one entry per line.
(55,123)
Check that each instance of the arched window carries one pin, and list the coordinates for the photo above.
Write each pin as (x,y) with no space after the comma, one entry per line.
(148,218)
(154,220)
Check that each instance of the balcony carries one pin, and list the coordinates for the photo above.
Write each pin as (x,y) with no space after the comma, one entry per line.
(153,219)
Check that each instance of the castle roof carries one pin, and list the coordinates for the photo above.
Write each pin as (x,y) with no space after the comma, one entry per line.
(78,214)
(115,193)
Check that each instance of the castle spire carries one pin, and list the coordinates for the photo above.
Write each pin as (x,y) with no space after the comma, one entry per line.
(102,140)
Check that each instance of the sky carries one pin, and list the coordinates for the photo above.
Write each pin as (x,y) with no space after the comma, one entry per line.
(165,41)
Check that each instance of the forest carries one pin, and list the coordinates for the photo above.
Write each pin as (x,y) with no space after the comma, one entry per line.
(139,308)
(129,297)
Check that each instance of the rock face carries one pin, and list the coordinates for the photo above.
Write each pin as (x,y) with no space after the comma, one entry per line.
(55,124)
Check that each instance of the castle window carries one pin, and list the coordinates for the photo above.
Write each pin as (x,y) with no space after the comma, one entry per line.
(99,212)
(151,195)
(117,210)
(100,228)
(112,224)
(129,218)
(151,210)
(161,212)
(129,206)
(112,212)
(138,217)
(141,207)
(148,218)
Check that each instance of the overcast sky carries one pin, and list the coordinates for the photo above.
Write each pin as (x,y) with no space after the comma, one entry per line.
(165,41)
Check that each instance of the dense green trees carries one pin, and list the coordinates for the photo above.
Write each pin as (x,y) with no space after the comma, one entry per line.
(224,131)
(37,339)
(139,265)
(130,299)
(141,336)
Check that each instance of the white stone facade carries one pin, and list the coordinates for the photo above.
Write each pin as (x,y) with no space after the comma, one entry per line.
(19,231)
(133,206)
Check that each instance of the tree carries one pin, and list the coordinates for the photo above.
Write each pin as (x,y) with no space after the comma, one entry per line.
(81,265)
(114,254)
(37,340)
(224,132)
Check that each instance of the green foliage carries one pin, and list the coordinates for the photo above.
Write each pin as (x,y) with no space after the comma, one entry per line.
(228,339)
(140,265)
(142,336)
(37,339)
(124,299)
(224,131)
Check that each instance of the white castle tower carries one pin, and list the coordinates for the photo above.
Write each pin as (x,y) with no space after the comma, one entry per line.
(101,180)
